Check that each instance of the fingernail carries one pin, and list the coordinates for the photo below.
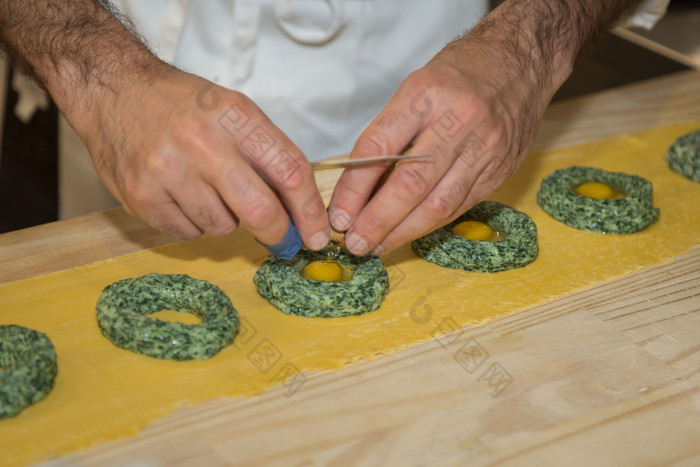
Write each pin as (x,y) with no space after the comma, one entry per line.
(339,219)
(356,244)
(378,251)
(319,241)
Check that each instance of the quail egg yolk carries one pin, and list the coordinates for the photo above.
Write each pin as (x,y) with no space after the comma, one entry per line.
(595,190)
(474,230)
(321,270)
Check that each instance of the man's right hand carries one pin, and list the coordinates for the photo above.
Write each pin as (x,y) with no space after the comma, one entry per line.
(185,155)
(190,157)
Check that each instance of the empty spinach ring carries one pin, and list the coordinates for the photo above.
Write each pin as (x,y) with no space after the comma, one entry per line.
(123,309)
(631,212)
(517,249)
(683,155)
(27,368)
(282,284)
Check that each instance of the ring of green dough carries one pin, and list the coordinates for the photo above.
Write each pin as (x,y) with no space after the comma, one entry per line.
(123,309)
(28,368)
(282,284)
(631,213)
(517,249)
(684,155)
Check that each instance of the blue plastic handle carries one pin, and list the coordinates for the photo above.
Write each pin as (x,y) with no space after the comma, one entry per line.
(289,246)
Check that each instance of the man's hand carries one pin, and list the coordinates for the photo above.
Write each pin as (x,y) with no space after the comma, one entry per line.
(190,157)
(476,108)
(185,155)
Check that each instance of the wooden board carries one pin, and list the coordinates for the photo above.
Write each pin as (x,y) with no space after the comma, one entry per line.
(609,374)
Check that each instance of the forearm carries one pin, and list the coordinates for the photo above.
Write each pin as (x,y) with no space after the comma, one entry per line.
(542,39)
(77,49)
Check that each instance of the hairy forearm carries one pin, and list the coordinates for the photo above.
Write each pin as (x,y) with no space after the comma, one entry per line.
(76,48)
(545,37)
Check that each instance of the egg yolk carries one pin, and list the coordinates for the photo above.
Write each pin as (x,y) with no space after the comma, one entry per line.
(595,190)
(329,271)
(474,230)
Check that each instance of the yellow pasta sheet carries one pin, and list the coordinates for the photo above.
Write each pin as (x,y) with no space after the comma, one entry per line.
(103,392)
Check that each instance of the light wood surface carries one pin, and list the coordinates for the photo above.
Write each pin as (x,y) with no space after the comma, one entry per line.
(607,376)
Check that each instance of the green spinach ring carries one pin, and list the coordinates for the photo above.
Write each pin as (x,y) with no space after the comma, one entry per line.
(517,249)
(28,368)
(123,309)
(683,156)
(631,213)
(282,284)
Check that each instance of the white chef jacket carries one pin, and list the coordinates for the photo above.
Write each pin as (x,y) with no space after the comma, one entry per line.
(320,69)
(320,95)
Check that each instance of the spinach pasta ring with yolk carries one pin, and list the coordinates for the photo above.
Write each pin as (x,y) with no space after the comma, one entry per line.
(517,249)
(631,212)
(281,282)
(27,368)
(123,309)
(683,156)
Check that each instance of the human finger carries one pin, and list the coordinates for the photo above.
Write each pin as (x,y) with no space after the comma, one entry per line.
(405,188)
(286,173)
(389,133)
(159,210)
(254,203)
(452,196)
(205,208)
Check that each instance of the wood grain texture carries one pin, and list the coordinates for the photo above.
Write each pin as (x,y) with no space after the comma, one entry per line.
(74,242)
(609,375)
